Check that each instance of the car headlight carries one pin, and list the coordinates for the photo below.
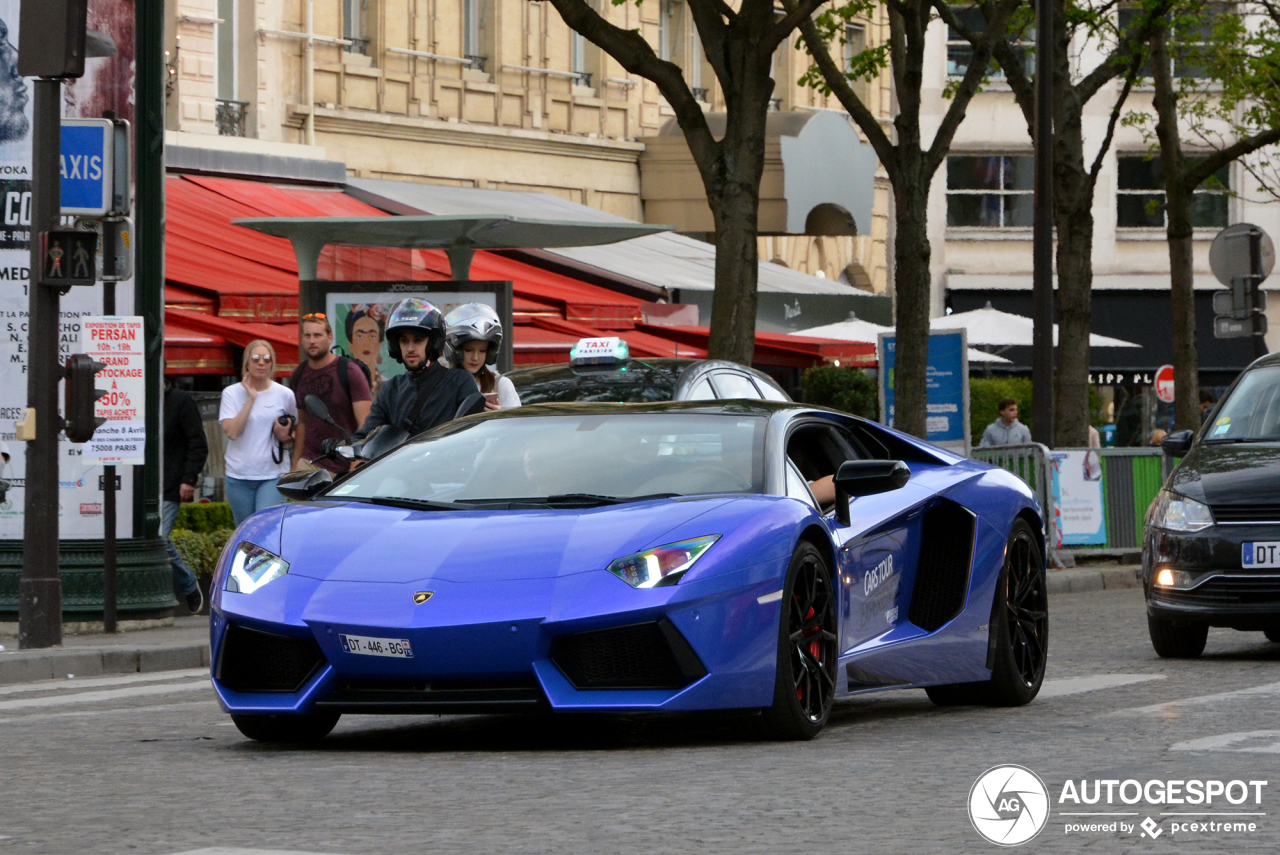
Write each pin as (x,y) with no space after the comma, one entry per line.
(662,565)
(252,567)
(1167,577)
(1178,513)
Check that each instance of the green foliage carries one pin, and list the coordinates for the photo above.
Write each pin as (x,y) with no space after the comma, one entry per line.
(200,549)
(847,389)
(985,394)
(831,23)
(204,517)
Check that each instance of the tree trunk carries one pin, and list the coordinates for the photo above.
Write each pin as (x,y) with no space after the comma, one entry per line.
(733,306)
(1073,209)
(1075,318)
(913,284)
(1179,232)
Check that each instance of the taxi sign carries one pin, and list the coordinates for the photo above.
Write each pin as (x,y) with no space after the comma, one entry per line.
(599,351)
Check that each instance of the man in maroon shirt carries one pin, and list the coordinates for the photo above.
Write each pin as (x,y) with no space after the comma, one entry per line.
(348,402)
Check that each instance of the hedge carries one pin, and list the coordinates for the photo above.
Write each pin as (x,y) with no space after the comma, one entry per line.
(200,549)
(843,388)
(204,517)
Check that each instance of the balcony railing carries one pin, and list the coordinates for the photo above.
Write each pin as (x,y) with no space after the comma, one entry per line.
(360,46)
(230,117)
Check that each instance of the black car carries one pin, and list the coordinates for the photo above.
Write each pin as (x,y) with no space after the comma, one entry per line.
(1211,547)
(636,381)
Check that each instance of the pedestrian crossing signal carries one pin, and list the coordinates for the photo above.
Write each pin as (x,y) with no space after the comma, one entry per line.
(68,258)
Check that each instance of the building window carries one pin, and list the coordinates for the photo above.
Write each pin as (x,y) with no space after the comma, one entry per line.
(1140,195)
(991,191)
(855,43)
(960,51)
(225,46)
(353,26)
(1190,37)
(474,25)
(671,31)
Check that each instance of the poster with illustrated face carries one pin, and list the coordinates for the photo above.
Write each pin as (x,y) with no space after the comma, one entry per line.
(360,324)
(107,85)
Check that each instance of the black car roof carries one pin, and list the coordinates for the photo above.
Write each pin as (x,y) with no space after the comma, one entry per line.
(733,407)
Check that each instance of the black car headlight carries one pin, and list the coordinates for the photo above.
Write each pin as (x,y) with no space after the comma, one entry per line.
(1176,512)
(661,565)
(252,567)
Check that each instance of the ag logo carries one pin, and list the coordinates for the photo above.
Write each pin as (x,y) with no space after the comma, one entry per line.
(1009,805)
(422,596)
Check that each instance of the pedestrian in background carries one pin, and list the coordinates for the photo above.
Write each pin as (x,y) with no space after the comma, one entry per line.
(339,381)
(185,450)
(251,416)
(472,338)
(1206,404)
(1006,430)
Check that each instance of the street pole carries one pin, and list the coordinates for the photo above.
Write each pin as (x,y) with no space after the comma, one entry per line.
(1042,243)
(108,501)
(1257,274)
(40,593)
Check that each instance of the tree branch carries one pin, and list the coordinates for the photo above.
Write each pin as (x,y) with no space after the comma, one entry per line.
(1220,158)
(1112,121)
(802,9)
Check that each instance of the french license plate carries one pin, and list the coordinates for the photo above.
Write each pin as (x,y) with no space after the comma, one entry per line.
(366,646)
(1261,554)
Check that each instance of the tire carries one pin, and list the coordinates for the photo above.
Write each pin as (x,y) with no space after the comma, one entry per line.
(286,728)
(1272,634)
(1020,619)
(1177,641)
(805,686)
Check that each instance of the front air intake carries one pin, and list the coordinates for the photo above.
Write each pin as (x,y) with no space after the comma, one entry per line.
(640,656)
(942,571)
(255,661)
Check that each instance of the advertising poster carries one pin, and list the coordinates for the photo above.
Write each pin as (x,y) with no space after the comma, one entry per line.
(117,343)
(360,325)
(948,388)
(1078,498)
(107,85)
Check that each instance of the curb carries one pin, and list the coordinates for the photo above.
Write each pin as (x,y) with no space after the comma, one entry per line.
(1080,581)
(26,666)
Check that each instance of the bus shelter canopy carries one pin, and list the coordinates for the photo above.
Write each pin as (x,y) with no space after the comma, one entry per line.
(458,236)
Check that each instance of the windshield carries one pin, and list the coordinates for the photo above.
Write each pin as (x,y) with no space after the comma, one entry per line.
(589,456)
(636,383)
(1252,412)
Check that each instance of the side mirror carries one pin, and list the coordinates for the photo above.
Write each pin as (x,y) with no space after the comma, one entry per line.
(1178,443)
(300,486)
(316,407)
(866,478)
(472,405)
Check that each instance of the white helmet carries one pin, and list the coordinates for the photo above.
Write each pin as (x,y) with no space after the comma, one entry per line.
(471,322)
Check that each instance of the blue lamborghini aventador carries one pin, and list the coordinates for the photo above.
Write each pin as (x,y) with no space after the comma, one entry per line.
(631,558)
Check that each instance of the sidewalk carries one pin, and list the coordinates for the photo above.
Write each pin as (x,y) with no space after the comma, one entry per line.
(170,648)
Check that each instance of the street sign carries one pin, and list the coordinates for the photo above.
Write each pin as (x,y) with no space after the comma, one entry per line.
(1164,383)
(1229,253)
(88,167)
(1233,328)
(1224,304)
(68,258)
(946,385)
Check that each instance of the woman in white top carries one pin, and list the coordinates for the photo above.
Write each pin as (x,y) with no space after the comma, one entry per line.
(472,338)
(250,417)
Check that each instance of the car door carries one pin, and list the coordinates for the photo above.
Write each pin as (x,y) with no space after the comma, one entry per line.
(874,553)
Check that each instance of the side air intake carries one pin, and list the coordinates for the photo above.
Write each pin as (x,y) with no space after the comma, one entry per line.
(942,572)
(255,661)
(640,656)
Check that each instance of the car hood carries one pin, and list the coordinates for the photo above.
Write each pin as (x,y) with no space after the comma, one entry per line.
(1230,473)
(361,542)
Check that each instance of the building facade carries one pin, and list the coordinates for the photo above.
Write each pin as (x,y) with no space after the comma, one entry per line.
(491,94)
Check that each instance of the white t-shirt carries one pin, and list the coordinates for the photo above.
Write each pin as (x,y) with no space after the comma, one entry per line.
(249,457)
(507,395)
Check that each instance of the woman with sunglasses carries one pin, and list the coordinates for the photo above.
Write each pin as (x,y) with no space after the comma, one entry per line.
(251,417)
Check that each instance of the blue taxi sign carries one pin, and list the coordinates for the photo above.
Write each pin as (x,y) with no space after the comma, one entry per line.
(88,166)
(599,351)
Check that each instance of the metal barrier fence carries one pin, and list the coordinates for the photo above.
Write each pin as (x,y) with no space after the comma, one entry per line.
(1131,478)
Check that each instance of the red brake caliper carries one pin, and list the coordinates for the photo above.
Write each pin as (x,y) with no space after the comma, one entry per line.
(815,650)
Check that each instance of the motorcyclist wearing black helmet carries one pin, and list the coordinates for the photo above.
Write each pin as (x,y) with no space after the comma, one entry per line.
(426,394)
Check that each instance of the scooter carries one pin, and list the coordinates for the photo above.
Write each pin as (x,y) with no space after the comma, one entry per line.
(301,486)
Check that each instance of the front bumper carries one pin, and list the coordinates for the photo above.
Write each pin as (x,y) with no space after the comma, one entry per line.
(1223,592)
(512,646)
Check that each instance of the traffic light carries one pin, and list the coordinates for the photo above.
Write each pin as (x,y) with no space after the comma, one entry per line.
(79,422)
(53,38)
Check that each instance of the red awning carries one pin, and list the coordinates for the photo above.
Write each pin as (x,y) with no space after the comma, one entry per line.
(283,337)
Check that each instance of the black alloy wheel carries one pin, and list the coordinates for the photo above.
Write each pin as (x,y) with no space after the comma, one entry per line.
(805,686)
(1020,628)
(286,728)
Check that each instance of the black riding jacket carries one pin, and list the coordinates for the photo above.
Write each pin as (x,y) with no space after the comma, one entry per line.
(400,402)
